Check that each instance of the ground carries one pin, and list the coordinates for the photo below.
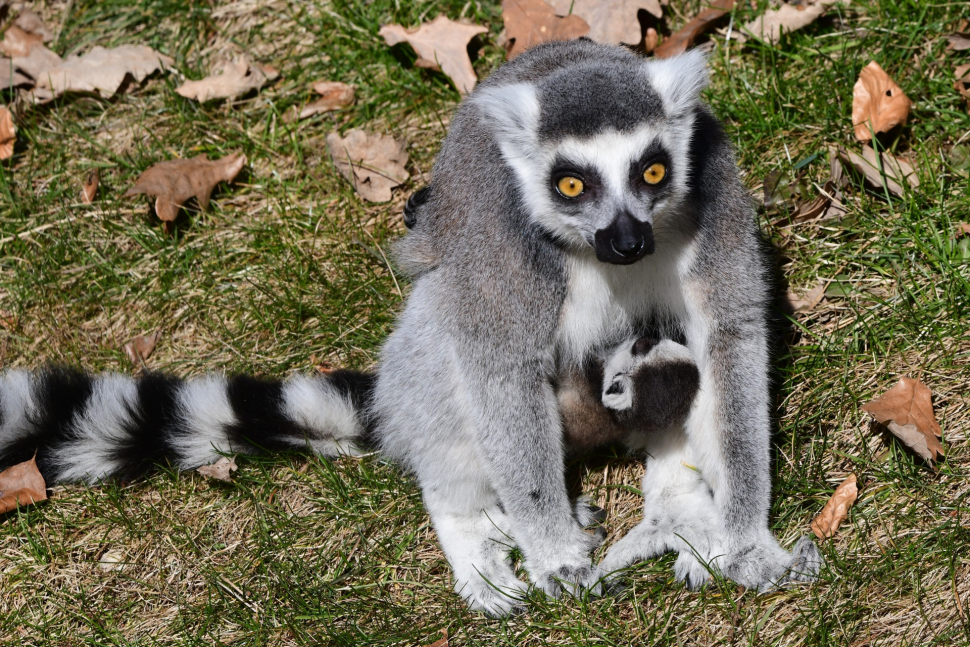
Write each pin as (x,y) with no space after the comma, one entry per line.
(286,270)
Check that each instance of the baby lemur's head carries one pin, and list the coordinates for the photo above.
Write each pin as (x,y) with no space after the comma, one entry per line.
(641,387)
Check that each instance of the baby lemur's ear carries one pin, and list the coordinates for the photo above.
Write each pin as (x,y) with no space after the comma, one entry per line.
(650,384)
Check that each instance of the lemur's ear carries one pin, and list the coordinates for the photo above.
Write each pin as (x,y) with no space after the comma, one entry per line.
(679,80)
(512,113)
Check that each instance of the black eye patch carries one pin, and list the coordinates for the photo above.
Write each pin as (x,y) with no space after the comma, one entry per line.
(562,167)
(653,154)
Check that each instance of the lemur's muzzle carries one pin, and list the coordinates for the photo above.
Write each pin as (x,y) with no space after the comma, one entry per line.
(625,241)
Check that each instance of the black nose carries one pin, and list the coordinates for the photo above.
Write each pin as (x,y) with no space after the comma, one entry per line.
(625,241)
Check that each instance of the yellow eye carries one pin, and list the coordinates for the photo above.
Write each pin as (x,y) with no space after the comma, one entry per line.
(571,187)
(655,173)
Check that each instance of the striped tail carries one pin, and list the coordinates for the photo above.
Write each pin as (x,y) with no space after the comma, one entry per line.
(89,428)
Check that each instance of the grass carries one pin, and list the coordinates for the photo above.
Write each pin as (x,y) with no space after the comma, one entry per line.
(286,265)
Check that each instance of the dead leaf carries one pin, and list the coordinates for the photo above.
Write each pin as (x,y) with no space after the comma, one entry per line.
(877,103)
(34,24)
(907,411)
(441,642)
(234,80)
(958,41)
(611,22)
(21,484)
(786,18)
(836,509)
(17,42)
(90,188)
(807,302)
(8,134)
(37,62)
(175,181)
(140,348)
(373,164)
(812,210)
(895,170)
(101,70)
(9,77)
(962,84)
(441,45)
(333,96)
(681,41)
(962,229)
(531,22)
(112,560)
(221,469)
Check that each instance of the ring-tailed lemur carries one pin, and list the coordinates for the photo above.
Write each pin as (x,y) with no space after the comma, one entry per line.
(584,198)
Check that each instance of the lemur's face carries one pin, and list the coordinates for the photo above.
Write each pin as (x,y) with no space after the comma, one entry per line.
(601,151)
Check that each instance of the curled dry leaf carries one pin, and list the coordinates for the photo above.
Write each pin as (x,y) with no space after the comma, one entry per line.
(141,347)
(959,41)
(21,484)
(90,187)
(17,42)
(101,70)
(441,642)
(681,41)
(222,469)
(8,134)
(809,300)
(611,22)
(441,45)
(877,103)
(333,96)
(373,164)
(907,411)
(32,23)
(836,509)
(962,84)
(234,80)
(786,18)
(175,181)
(531,22)
(895,171)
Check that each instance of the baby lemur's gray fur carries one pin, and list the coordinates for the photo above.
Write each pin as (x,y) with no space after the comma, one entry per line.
(584,215)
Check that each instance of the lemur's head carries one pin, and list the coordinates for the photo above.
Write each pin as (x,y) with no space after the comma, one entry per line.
(601,147)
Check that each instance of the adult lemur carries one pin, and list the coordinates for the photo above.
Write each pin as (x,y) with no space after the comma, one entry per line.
(583,199)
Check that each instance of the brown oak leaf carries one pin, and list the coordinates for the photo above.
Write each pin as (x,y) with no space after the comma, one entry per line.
(101,70)
(8,134)
(895,172)
(175,181)
(807,301)
(235,79)
(34,24)
(611,22)
(907,411)
(441,45)
(37,63)
(877,103)
(21,484)
(531,22)
(958,41)
(141,347)
(90,187)
(373,164)
(962,84)
(333,96)
(836,509)
(17,42)
(222,469)
(786,18)
(681,41)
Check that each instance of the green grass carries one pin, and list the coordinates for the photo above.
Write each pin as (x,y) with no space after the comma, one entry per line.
(286,264)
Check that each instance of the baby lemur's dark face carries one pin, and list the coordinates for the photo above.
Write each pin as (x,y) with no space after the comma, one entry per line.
(644,386)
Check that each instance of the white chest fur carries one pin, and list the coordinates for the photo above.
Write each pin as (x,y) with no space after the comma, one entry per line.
(605,302)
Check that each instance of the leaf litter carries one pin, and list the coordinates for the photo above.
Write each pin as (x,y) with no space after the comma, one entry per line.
(612,22)
(706,19)
(878,103)
(836,509)
(372,163)
(101,70)
(21,485)
(221,470)
(8,133)
(441,45)
(235,79)
(333,96)
(174,182)
(531,22)
(89,190)
(140,348)
(907,411)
